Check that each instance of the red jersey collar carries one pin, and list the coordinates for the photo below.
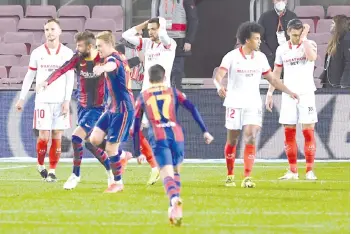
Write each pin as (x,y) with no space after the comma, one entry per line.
(48,50)
(242,53)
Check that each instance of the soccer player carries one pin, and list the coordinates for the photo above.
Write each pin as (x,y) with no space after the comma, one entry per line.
(159,48)
(51,112)
(118,118)
(297,56)
(160,104)
(91,94)
(245,66)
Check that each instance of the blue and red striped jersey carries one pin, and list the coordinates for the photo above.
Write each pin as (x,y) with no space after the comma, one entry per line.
(160,104)
(119,85)
(91,88)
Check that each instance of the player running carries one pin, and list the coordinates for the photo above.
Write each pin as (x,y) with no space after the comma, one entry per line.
(297,56)
(160,104)
(91,94)
(244,66)
(159,48)
(118,118)
(51,112)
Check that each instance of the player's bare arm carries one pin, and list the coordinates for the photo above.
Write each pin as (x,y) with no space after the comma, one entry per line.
(278,84)
(277,72)
(27,82)
(221,72)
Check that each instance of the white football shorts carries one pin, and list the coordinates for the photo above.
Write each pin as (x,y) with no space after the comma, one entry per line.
(236,118)
(47,116)
(303,112)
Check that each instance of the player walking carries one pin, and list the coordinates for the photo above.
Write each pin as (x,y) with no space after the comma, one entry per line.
(244,66)
(51,112)
(160,104)
(118,118)
(297,56)
(91,94)
(159,48)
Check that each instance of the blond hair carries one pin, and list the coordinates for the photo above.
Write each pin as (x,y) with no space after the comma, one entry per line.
(107,37)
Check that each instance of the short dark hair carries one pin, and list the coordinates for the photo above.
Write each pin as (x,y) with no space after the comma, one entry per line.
(295,24)
(246,29)
(86,36)
(53,20)
(121,48)
(156,73)
(155,20)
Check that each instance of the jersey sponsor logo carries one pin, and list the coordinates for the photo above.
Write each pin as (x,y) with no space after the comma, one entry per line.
(153,56)
(296,61)
(166,125)
(88,75)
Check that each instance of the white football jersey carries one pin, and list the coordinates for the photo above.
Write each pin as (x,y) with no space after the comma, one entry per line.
(157,54)
(298,71)
(244,76)
(45,61)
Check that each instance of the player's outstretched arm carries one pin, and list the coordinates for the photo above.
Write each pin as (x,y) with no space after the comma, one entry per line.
(137,125)
(111,65)
(196,115)
(278,84)
(67,66)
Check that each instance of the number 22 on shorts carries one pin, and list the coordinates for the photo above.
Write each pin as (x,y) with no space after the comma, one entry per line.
(230,113)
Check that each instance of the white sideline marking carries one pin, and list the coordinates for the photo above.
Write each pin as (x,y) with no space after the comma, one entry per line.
(186,161)
(197,180)
(152,224)
(14,167)
(187,213)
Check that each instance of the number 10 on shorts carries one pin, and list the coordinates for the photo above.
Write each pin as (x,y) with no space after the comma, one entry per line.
(40,113)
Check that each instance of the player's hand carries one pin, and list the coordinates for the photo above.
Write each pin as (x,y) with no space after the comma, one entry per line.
(19,105)
(208,138)
(41,86)
(98,70)
(269,102)
(141,159)
(222,92)
(187,47)
(295,96)
(305,31)
(65,108)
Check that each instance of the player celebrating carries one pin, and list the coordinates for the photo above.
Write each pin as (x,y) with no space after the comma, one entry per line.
(91,93)
(245,66)
(51,111)
(297,56)
(160,104)
(117,120)
(158,49)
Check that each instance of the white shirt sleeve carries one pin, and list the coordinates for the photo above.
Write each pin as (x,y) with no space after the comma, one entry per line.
(130,36)
(165,39)
(278,57)
(266,68)
(227,61)
(30,75)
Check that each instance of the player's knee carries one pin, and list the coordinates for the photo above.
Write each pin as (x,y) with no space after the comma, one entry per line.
(57,134)
(44,136)
(76,139)
(94,140)
(250,139)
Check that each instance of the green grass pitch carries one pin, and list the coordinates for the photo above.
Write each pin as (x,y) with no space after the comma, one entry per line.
(29,205)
